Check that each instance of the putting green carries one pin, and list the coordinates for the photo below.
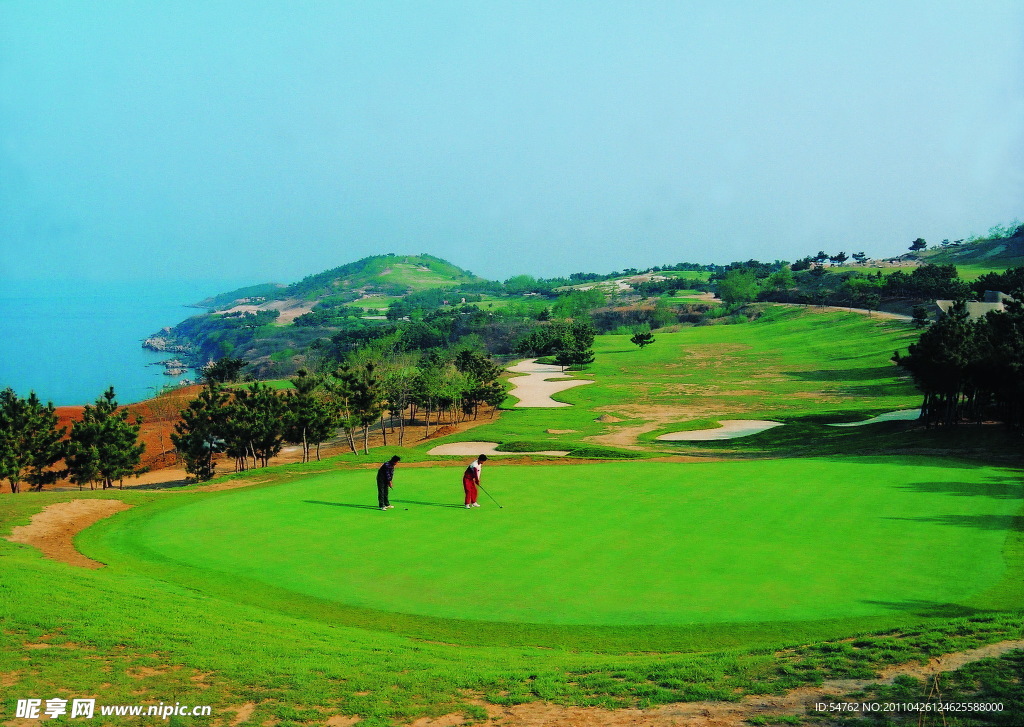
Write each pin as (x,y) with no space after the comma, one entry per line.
(616,544)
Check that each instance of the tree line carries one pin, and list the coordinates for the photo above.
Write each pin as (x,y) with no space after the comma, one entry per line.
(102,448)
(252,424)
(971,370)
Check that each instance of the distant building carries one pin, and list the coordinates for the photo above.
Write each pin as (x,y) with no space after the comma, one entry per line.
(994,301)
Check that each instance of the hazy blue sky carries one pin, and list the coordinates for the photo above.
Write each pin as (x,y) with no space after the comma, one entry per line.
(270,140)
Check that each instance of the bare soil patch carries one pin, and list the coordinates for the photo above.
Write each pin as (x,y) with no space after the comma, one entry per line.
(653,417)
(53,529)
(242,713)
(874,314)
(798,702)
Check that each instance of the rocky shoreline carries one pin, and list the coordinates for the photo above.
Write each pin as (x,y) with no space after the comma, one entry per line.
(164,342)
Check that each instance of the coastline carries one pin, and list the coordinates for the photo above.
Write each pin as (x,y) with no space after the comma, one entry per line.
(69,340)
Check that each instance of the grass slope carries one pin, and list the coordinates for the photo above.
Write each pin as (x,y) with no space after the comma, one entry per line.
(974,259)
(791,362)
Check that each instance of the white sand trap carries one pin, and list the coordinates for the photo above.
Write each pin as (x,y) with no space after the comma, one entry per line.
(488,448)
(903,415)
(535,388)
(730,429)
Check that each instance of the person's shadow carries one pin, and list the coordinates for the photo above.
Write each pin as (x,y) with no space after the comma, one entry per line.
(431,504)
(374,507)
(342,504)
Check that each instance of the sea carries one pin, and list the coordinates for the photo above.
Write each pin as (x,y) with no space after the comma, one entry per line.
(69,340)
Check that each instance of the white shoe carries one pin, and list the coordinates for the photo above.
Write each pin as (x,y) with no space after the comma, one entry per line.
(468,506)
(476,504)
(383,508)
(390,507)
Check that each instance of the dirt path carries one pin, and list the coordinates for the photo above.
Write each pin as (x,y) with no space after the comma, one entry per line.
(53,529)
(715,714)
(535,388)
(865,311)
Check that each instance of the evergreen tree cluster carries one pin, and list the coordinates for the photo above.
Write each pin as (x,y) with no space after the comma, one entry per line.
(102,447)
(970,370)
(570,342)
(30,441)
(376,385)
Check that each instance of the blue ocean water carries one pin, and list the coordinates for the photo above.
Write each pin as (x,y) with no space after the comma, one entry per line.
(68,340)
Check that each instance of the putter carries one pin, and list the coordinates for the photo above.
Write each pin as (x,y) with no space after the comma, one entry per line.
(490,496)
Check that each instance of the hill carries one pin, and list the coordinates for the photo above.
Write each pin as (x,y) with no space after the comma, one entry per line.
(977,257)
(378,274)
(272,326)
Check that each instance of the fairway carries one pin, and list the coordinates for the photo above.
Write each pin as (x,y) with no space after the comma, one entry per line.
(612,544)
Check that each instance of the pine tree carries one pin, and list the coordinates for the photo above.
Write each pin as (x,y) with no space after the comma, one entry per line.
(311,420)
(104,446)
(642,338)
(255,424)
(200,433)
(30,441)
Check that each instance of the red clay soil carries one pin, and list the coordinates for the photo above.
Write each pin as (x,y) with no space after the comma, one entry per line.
(159,415)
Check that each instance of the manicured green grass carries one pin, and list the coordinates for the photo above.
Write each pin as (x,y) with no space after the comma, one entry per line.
(611,544)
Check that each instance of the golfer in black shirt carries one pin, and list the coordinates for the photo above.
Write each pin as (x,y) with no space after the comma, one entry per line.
(385,475)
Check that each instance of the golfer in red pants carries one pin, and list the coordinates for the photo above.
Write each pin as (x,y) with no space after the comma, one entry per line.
(471,478)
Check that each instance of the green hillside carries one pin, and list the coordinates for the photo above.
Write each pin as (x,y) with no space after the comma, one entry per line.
(389,274)
(394,275)
(974,259)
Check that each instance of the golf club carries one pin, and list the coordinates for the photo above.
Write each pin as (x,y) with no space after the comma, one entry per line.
(490,496)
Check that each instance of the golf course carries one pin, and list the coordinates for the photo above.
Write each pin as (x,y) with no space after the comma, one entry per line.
(632,573)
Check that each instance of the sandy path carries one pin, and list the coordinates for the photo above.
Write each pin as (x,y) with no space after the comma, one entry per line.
(488,448)
(535,388)
(730,429)
(53,529)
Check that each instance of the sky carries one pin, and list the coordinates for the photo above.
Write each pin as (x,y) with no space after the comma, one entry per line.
(266,141)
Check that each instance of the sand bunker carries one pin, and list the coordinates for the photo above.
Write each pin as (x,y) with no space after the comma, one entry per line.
(53,529)
(535,389)
(903,415)
(488,448)
(730,429)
